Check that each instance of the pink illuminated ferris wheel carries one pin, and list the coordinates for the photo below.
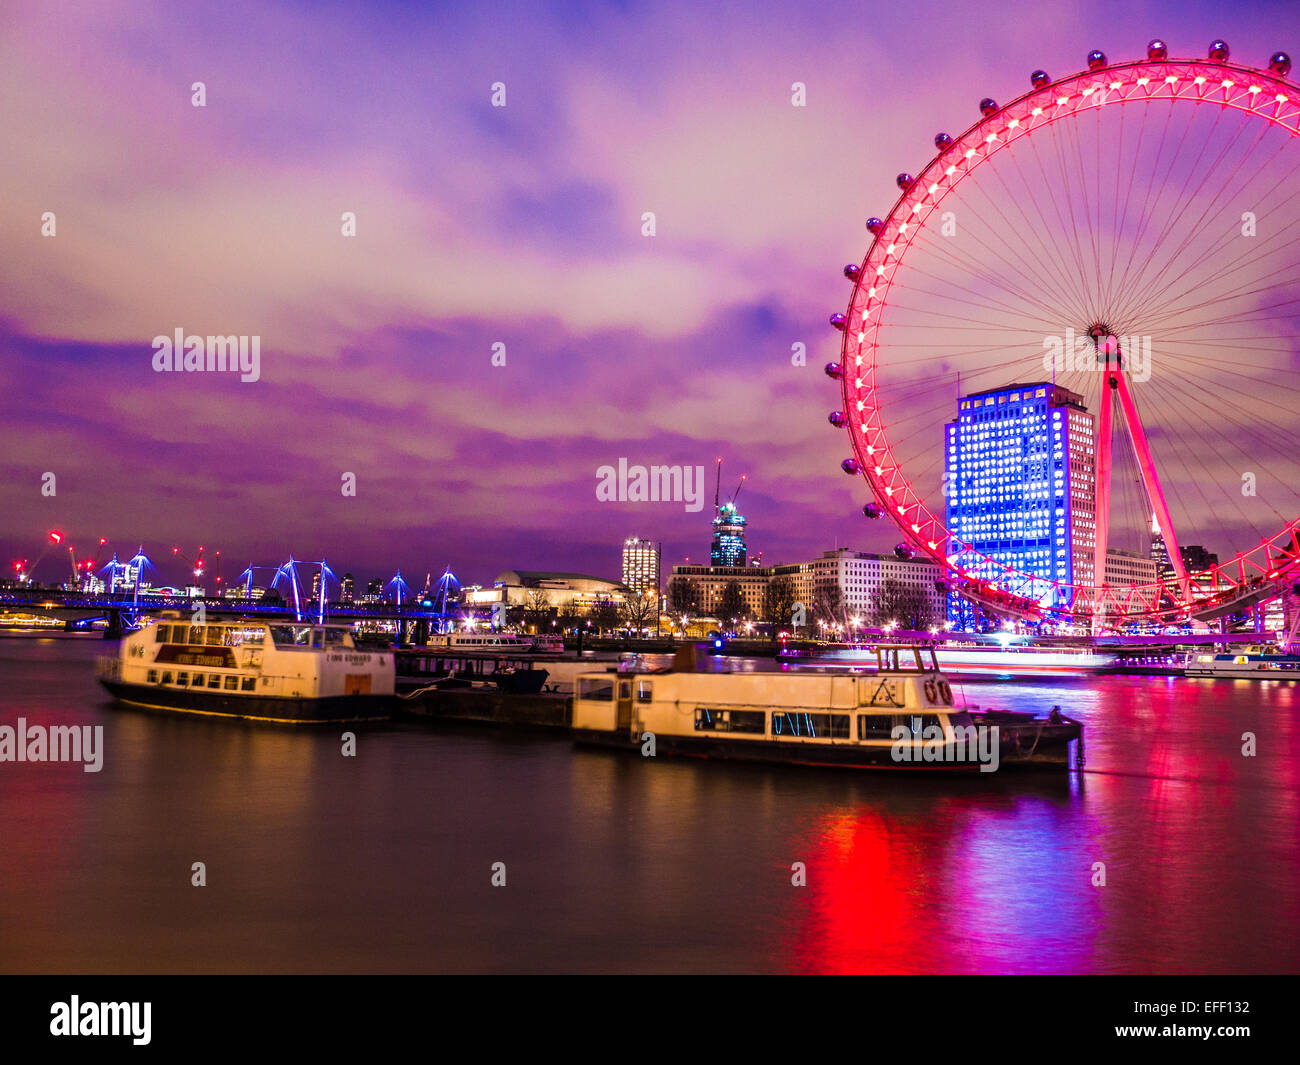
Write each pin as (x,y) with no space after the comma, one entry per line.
(1071,359)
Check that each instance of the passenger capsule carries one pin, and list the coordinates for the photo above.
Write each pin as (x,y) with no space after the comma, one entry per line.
(852,271)
(942,141)
(1280,64)
(871,510)
(1096,59)
(988,106)
(874,225)
(833,370)
(1219,51)
(904,550)
(839,321)
(905,181)
(1039,78)
(836,418)
(850,466)
(1157,49)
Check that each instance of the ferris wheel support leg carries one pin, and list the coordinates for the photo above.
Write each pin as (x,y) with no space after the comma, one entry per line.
(1101,509)
(1152,481)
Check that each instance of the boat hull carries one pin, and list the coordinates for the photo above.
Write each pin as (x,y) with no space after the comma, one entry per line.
(285,711)
(842,756)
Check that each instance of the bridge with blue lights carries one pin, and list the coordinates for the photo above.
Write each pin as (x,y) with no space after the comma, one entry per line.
(122,607)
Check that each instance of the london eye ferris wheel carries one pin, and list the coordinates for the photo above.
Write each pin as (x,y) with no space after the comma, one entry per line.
(1075,335)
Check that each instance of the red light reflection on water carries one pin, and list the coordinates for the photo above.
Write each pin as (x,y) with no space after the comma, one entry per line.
(986,883)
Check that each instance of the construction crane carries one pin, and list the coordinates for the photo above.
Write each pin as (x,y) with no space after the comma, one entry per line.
(196,563)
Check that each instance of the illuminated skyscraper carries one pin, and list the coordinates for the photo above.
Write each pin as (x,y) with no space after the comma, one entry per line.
(641,564)
(728,537)
(1020,486)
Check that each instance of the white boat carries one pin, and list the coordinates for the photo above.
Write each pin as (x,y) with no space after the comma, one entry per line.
(1255,663)
(285,672)
(498,641)
(1001,661)
(901,716)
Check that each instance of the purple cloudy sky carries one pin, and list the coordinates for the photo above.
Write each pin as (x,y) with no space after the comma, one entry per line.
(475,225)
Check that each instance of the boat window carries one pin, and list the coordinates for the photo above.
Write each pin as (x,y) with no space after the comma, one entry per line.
(248,684)
(164,633)
(748,721)
(291,635)
(183,679)
(820,726)
(918,723)
(198,680)
(153,676)
(232,683)
(195,634)
(644,691)
(624,689)
(214,680)
(335,637)
(214,635)
(167,676)
(875,726)
(596,688)
(237,635)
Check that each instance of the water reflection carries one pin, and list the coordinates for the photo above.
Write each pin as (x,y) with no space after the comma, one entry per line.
(382,862)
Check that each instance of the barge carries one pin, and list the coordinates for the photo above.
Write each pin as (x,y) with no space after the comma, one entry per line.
(284,673)
(1255,663)
(902,716)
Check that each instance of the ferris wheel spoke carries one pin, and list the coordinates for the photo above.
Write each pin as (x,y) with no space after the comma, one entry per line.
(1176,305)
(1049,263)
(1026,282)
(1210,447)
(980,300)
(1145,214)
(1141,289)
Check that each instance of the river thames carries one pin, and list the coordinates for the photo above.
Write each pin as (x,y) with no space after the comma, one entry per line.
(383,862)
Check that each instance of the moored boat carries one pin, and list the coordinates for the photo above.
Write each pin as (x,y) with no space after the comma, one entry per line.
(498,641)
(1255,663)
(901,716)
(281,672)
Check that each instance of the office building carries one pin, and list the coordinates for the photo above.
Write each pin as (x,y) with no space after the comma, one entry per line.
(728,547)
(1021,486)
(641,564)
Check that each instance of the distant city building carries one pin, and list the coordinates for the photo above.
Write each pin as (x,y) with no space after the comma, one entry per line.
(374,591)
(244,591)
(123,578)
(579,591)
(1195,560)
(711,581)
(166,591)
(1021,486)
(347,588)
(873,588)
(728,537)
(1124,568)
(641,564)
(315,586)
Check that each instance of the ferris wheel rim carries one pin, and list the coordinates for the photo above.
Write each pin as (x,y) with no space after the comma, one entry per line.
(1227,84)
